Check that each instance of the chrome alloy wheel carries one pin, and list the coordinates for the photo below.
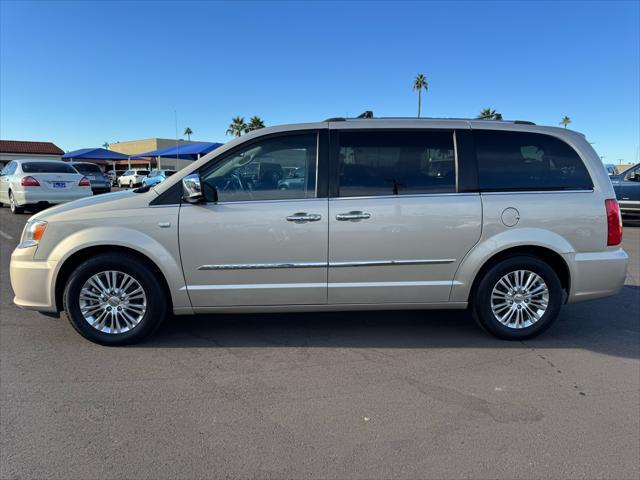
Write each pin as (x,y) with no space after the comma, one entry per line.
(519,299)
(112,302)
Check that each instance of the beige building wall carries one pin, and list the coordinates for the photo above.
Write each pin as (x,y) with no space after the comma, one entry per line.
(134,147)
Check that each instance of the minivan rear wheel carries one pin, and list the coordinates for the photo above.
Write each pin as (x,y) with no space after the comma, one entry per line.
(518,298)
(114,299)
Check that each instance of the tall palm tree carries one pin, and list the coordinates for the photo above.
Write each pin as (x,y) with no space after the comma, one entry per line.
(255,123)
(188,132)
(419,83)
(105,145)
(489,114)
(237,126)
(565,121)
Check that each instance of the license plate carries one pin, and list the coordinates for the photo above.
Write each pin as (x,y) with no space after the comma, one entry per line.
(59,185)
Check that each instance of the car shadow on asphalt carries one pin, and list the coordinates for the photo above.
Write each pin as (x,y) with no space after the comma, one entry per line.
(609,326)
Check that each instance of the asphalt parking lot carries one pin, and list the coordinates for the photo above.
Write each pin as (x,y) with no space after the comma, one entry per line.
(339,395)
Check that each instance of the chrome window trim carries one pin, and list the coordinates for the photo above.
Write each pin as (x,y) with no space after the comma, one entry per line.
(527,192)
(456,164)
(339,264)
(408,195)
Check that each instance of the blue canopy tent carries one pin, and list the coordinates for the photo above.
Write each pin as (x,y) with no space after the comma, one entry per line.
(188,151)
(95,155)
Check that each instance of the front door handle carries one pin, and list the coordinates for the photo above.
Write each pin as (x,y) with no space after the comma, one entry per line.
(353,215)
(302,217)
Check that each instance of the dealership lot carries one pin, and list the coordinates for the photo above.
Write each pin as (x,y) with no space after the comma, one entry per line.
(339,395)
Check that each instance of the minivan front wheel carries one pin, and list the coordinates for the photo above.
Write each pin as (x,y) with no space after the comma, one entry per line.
(518,298)
(114,299)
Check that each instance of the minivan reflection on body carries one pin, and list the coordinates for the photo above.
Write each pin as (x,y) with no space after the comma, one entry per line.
(508,219)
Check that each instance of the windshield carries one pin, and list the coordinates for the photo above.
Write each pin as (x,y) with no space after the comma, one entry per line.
(87,168)
(47,167)
(143,172)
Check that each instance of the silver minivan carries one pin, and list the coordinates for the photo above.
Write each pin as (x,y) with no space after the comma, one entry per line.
(508,219)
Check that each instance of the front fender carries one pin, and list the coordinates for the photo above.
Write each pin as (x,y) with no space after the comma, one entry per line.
(487,248)
(163,252)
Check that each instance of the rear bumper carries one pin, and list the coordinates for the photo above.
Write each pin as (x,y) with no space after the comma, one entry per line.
(32,281)
(31,197)
(596,274)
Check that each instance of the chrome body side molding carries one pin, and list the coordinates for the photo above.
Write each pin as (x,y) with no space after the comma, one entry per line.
(366,263)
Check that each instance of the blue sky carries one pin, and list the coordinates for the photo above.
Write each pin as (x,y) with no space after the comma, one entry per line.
(82,73)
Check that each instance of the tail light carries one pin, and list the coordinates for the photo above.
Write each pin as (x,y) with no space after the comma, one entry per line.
(84,182)
(614,222)
(29,182)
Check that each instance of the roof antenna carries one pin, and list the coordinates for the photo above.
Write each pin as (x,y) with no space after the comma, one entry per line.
(367,114)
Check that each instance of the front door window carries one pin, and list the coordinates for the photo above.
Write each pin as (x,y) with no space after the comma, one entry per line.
(278,168)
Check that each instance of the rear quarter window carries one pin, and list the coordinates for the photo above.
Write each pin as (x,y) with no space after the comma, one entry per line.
(527,161)
(47,167)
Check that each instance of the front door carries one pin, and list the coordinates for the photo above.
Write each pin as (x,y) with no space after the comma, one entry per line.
(263,241)
(397,228)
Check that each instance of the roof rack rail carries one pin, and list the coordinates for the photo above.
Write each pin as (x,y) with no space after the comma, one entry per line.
(523,122)
(336,119)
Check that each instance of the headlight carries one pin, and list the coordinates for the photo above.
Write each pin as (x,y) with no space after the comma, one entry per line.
(32,233)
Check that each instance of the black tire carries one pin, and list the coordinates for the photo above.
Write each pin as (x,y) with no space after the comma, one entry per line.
(12,205)
(156,305)
(481,300)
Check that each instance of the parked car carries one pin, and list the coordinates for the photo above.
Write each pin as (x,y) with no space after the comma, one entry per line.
(132,178)
(627,188)
(156,176)
(114,175)
(508,219)
(26,183)
(295,179)
(100,182)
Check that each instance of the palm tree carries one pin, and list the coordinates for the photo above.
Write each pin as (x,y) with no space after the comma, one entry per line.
(188,132)
(565,121)
(255,123)
(419,83)
(489,114)
(237,126)
(105,145)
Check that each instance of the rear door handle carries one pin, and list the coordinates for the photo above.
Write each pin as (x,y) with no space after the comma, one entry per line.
(303,217)
(353,215)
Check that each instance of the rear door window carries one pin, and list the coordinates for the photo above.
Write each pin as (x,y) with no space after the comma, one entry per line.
(527,161)
(395,163)
(47,167)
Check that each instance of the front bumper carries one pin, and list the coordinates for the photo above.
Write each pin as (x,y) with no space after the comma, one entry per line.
(32,280)
(596,274)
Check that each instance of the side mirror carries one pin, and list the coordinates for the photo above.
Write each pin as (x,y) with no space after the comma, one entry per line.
(192,189)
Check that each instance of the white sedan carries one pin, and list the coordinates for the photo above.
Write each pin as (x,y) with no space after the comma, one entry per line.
(41,182)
